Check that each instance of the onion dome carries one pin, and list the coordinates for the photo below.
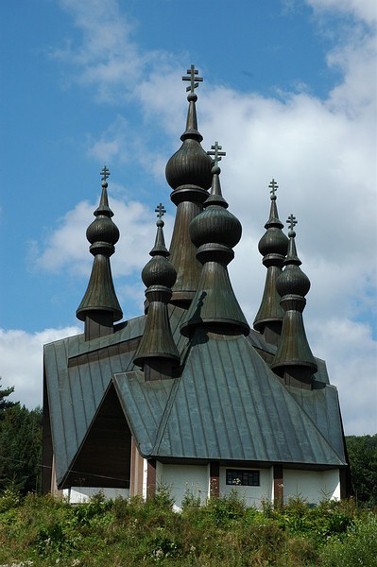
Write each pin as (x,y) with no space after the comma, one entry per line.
(188,173)
(293,360)
(99,307)
(215,232)
(157,352)
(273,247)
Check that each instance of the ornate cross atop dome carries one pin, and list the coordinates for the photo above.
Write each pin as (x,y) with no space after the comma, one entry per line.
(105,173)
(160,210)
(274,187)
(291,220)
(215,151)
(193,78)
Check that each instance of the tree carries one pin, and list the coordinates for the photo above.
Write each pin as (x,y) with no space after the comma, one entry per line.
(362,453)
(4,404)
(20,445)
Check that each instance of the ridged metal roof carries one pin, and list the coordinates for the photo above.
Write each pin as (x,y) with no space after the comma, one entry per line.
(227,404)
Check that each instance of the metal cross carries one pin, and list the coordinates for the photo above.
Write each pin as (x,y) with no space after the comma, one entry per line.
(194,80)
(216,152)
(105,173)
(160,210)
(273,186)
(291,220)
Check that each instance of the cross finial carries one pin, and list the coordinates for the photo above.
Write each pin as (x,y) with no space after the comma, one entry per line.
(215,151)
(105,173)
(160,210)
(291,220)
(192,77)
(273,186)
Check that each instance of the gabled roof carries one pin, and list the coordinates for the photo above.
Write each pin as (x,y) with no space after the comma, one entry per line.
(227,405)
(78,374)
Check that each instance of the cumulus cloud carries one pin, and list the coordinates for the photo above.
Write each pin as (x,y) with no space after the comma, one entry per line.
(67,247)
(21,356)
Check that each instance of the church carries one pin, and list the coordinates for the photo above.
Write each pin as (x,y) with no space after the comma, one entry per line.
(188,396)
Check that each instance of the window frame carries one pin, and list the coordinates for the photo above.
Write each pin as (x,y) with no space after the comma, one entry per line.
(246,477)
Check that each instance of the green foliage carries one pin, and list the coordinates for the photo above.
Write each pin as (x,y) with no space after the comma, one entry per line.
(4,403)
(362,453)
(47,532)
(20,448)
(359,547)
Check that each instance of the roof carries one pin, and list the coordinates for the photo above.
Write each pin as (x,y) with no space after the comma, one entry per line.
(227,404)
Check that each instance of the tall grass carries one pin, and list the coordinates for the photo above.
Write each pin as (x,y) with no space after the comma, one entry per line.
(43,531)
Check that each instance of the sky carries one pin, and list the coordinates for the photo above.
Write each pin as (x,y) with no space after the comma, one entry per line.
(289,92)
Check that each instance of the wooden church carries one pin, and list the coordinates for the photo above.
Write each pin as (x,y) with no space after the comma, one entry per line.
(188,396)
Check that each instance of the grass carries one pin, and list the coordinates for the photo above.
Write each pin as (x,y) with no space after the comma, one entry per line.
(42,531)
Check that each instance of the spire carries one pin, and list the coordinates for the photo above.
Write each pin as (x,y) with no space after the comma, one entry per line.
(215,232)
(273,247)
(100,308)
(188,173)
(157,353)
(293,360)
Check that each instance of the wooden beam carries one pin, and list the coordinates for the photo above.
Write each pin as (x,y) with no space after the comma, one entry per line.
(214,479)
(151,478)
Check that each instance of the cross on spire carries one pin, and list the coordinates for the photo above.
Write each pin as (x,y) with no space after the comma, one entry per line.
(194,80)
(291,220)
(215,151)
(160,210)
(273,186)
(105,173)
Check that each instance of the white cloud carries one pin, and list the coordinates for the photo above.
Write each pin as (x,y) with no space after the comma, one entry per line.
(21,356)
(351,356)
(364,10)
(67,248)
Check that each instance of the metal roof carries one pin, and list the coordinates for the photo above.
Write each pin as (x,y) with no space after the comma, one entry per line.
(227,404)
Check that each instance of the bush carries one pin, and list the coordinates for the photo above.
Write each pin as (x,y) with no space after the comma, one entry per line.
(359,547)
(133,532)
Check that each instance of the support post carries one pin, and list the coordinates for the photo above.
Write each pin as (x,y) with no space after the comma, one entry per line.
(214,479)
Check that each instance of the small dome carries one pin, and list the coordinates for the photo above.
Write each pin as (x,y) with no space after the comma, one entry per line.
(159,271)
(292,281)
(215,225)
(190,165)
(102,229)
(274,241)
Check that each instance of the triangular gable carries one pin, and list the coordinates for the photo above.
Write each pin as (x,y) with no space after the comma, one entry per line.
(78,374)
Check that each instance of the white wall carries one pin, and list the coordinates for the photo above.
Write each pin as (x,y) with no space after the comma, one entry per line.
(182,479)
(312,486)
(80,494)
(252,495)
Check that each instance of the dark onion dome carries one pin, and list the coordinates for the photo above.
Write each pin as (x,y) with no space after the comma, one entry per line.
(216,224)
(190,165)
(215,232)
(157,344)
(273,247)
(293,355)
(100,303)
(188,173)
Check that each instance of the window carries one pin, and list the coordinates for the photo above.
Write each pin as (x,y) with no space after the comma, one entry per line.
(242,477)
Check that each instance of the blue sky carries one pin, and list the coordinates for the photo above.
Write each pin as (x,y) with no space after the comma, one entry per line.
(289,91)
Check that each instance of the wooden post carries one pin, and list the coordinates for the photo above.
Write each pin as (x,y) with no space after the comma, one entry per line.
(151,478)
(214,479)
